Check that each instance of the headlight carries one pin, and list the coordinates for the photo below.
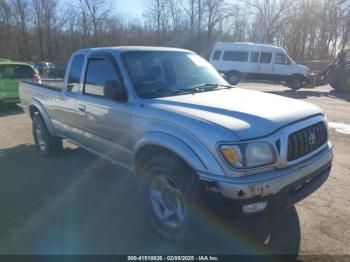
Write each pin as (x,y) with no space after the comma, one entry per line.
(248,155)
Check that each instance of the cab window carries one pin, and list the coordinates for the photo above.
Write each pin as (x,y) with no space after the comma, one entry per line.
(97,73)
(281,59)
(217,55)
(265,58)
(75,73)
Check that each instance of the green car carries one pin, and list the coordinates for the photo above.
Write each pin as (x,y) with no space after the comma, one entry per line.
(11,73)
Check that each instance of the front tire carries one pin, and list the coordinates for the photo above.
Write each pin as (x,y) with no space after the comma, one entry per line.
(45,143)
(296,82)
(172,194)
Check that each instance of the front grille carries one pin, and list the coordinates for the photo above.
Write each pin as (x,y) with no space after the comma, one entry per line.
(306,140)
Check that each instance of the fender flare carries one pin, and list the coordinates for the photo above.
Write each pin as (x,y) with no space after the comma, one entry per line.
(173,144)
(39,107)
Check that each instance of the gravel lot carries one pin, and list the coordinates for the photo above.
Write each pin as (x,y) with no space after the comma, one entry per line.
(80,204)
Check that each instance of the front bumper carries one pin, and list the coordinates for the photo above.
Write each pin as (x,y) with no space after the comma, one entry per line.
(310,80)
(279,188)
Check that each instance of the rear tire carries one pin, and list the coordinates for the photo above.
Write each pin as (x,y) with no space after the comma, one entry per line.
(45,143)
(172,193)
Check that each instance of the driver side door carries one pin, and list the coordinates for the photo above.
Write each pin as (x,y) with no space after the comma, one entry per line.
(107,121)
(282,65)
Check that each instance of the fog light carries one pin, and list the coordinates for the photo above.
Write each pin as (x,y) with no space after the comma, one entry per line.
(255,207)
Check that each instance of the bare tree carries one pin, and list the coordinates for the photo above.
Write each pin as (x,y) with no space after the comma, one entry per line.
(20,14)
(216,11)
(190,11)
(47,29)
(39,24)
(268,15)
(157,17)
(176,12)
(98,11)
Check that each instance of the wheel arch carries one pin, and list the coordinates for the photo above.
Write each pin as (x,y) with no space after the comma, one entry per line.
(36,106)
(158,142)
(297,75)
(234,71)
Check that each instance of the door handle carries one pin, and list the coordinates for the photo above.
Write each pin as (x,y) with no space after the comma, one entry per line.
(82,108)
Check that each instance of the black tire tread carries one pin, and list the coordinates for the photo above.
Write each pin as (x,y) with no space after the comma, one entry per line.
(53,144)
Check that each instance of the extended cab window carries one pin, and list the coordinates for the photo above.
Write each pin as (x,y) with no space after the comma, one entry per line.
(265,58)
(281,59)
(217,55)
(254,57)
(98,72)
(75,73)
(235,56)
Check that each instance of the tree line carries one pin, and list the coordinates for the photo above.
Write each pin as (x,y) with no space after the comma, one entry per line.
(50,30)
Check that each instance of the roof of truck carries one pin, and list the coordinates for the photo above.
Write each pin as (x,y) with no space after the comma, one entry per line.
(121,49)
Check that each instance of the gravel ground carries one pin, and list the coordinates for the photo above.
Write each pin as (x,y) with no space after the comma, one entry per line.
(80,204)
(324,216)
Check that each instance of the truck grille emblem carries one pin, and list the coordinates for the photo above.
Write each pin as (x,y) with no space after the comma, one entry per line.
(312,139)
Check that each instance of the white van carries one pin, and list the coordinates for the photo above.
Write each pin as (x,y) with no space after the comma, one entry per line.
(258,61)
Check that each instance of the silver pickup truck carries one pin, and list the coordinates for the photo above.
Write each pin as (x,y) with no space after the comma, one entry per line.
(185,133)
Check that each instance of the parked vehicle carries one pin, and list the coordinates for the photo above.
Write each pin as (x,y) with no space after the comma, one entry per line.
(11,73)
(58,71)
(337,74)
(167,115)
(32,64)
(258,61)
(45,67)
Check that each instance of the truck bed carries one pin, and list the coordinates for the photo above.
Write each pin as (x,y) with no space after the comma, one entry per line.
(43,92)
(54,84)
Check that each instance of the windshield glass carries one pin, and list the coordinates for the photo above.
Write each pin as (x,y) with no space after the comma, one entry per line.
(16,72)
(290,59)
(165,73)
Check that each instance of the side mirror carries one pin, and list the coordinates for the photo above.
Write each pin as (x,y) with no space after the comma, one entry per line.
(114,90)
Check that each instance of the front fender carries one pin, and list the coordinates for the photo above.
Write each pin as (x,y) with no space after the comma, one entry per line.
(194,153)
(39,106)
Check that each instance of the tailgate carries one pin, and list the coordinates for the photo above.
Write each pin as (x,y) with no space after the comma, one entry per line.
(9,84)
(9,88)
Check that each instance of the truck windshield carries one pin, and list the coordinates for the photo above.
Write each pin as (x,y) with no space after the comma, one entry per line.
(166,73)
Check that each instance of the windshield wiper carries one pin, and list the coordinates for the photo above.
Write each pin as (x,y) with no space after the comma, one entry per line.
(160,92)
(205,87)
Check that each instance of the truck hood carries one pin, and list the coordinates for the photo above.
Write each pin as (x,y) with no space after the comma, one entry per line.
(249,114)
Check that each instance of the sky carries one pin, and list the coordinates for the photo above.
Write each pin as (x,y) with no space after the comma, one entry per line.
(130,8)
(134,8)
